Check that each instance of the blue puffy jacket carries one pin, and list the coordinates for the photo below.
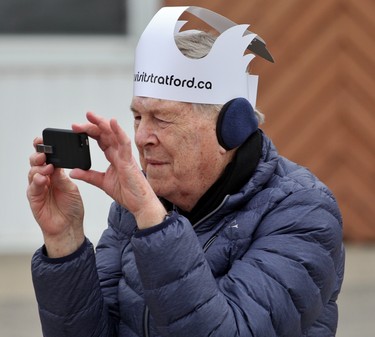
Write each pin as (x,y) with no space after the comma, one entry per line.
(268,262)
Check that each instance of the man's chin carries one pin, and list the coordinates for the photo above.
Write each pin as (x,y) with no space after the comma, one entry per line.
(157,184)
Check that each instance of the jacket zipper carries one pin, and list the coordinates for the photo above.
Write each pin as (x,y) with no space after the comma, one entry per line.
(213,212)
(146,314)
(146,322)
(210,242)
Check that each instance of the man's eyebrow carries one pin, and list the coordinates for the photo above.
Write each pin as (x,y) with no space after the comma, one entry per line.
(153,110)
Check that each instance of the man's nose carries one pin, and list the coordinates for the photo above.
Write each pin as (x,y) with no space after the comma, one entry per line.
(145,134)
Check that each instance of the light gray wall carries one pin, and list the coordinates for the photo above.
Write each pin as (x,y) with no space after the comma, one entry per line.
(53,82)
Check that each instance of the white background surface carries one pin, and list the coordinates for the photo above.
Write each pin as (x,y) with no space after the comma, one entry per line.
(53,82)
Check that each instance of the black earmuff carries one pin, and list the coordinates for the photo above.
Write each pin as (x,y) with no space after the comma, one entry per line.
(236,122)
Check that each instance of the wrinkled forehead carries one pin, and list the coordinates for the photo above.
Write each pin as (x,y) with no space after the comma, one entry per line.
(141,103)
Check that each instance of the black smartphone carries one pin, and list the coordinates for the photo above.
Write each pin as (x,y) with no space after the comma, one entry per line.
(66,149)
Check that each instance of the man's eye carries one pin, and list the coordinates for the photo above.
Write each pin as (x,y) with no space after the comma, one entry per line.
(162,122)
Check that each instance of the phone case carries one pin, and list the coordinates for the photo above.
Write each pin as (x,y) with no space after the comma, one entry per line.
(69,149)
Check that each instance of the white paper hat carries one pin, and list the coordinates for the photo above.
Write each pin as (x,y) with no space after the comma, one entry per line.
(162,71)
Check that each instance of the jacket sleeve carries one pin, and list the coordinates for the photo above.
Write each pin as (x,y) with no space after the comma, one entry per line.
(279,287)
(298,255)
(69,296)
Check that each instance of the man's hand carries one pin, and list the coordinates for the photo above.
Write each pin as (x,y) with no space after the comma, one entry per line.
(56,204)
(123,180)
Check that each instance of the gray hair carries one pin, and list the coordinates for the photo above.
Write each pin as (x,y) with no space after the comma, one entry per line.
(197,44)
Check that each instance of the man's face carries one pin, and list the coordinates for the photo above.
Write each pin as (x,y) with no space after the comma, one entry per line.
(178,149)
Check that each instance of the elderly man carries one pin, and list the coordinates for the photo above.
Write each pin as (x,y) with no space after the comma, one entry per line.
(217,235)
